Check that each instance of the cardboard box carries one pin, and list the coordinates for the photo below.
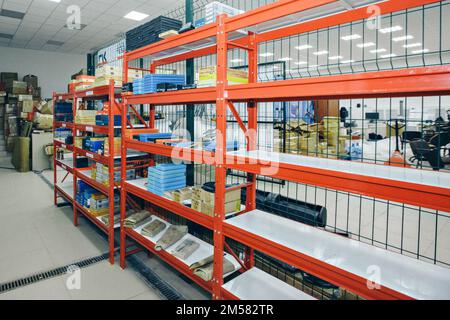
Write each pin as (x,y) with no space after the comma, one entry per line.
(230,207)
(26,106)
(230,196)
(25,97)
(19,87)
(196,205)
(182,195)
(197,193)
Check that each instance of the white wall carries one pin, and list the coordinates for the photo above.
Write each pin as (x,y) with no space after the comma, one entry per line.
(53,69)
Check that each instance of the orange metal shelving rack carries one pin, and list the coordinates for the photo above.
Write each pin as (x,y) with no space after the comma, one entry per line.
(109,93)
(333,174)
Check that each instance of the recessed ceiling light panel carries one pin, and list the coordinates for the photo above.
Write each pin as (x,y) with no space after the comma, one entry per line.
(136,16)
(351,37)
(391,29)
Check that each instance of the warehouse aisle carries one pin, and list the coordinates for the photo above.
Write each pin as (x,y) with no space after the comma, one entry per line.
(35,236)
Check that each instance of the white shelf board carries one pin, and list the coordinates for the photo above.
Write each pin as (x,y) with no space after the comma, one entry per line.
(256,284)
(412,277)
(422,177)
(204,251)
(67,187)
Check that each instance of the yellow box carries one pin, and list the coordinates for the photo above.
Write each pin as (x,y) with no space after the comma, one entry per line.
(208,77)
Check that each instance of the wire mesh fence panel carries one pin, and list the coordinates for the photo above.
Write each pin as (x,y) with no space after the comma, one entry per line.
(361,130)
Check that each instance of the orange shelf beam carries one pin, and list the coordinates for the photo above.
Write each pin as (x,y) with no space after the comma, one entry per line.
(191,155)
(202,95)
(431,197)
(393,83)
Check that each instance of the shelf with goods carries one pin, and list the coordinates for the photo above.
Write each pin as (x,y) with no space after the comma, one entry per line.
(400,184)
(104,163)
(59,143)
(181,264)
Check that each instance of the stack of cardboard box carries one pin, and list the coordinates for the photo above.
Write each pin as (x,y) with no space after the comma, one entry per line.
(106,73)
(25,105)
(301,138)
(204,201)
(81,82)
(86,117)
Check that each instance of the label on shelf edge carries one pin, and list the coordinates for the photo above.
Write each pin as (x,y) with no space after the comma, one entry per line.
(90,129)
(63,146)
(89,93)
(64,125)
(89,155)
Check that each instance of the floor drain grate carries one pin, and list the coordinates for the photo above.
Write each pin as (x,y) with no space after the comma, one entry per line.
(154,280)
(5,287)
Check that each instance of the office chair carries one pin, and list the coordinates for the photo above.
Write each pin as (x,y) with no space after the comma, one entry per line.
(408,136)
(419,148)
(424,151)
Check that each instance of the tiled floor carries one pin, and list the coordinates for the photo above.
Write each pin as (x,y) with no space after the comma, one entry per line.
(36,236)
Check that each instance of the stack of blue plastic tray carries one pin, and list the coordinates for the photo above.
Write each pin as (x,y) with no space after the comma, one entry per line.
(166,177)
(150,82)
(149,32)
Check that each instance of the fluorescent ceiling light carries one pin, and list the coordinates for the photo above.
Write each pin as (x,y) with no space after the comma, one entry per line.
(12,14)
(301,63)
(304,47)
(57,1)
(421,51)
(378,51)
(236,60)
(136,16)
(391,55)
(348,61)
(320,53)
(412,45)
(336,58)
(285,59)
(403,38)
(391,29)
(313,66)
(267,54)
(366,45)
(351,37)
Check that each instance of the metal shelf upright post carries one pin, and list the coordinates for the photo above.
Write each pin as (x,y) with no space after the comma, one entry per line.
(61,188)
